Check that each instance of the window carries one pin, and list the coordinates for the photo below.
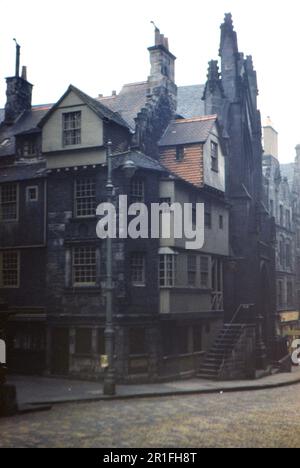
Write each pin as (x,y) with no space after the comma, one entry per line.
(84,266)
(281,252)
(29,149)
(207,216)
(85,198)
(280,301)
(167,265)
(83,341)
(221,222)
(32,194)
(288,255)
(290,294)
(9,202)
(214,150)
(10,269)
(192,270)
(72,128)
(179,153)
(204,272)
(137,269)
(137,191)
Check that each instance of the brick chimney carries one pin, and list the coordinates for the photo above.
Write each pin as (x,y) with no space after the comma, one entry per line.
(18,93)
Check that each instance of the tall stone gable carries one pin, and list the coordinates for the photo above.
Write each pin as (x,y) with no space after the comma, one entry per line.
(250,273)
(160,107)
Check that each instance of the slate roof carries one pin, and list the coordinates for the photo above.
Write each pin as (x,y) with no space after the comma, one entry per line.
(128,103)
(140,160)
(133,97)
(26,123)
(186,131)
(189,101)
(23,171)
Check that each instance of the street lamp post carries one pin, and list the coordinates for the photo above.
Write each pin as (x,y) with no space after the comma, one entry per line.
(109,387)
(110,378)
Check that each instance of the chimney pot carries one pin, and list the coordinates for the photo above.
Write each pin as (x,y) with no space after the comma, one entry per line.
(24,73)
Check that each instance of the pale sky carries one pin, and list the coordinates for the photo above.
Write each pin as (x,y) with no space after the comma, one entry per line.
(100,45)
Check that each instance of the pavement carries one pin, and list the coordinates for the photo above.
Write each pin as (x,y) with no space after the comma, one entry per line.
(49,391)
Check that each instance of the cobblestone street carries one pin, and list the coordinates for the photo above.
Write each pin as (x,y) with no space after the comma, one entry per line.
(267,418)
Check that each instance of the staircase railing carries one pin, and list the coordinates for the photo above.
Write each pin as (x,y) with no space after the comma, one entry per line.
(233,321)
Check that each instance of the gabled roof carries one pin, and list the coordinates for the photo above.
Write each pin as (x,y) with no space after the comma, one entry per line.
(187,131)
(27,123)
(102,111)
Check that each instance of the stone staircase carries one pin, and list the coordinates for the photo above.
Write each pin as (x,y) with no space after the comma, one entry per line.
(222,349)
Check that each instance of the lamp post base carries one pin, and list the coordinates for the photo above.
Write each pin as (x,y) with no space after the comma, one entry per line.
(109,385)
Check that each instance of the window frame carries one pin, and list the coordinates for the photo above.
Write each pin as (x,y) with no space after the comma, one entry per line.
(32,187)
(192,270)
(67,129)
(76,266)
(89,198)
(134,282)
(16,203)
(164,261)
(18,269)
(214,156)
(137,196)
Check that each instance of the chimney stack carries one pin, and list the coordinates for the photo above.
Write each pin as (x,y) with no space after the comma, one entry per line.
(18,92)
(270,139)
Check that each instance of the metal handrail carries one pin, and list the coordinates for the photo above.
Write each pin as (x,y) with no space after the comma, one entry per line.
(240,307)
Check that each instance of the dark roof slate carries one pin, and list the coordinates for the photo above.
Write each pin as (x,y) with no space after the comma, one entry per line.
(26,123)
(189,101)
(129,102)
(187,131)
(23,171)
(140,160)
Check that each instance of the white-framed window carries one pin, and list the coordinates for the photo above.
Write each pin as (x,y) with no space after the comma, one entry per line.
(167,270)
(85,197)
(84,269)
(180,153)
(71,128)
(29,148)
(137,190)
(10,269)
(192,270)
(204,272)
(137,269)
(9,202)
(214,154)
(32,194)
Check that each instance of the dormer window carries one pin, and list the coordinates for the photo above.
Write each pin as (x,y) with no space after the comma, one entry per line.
(29,149)
(72,128)
(214,154)
(179,153)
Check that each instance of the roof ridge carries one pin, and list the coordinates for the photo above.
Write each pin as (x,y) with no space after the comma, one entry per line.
(196,119)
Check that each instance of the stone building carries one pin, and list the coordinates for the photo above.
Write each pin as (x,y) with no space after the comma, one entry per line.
(198,143)
(282,204)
